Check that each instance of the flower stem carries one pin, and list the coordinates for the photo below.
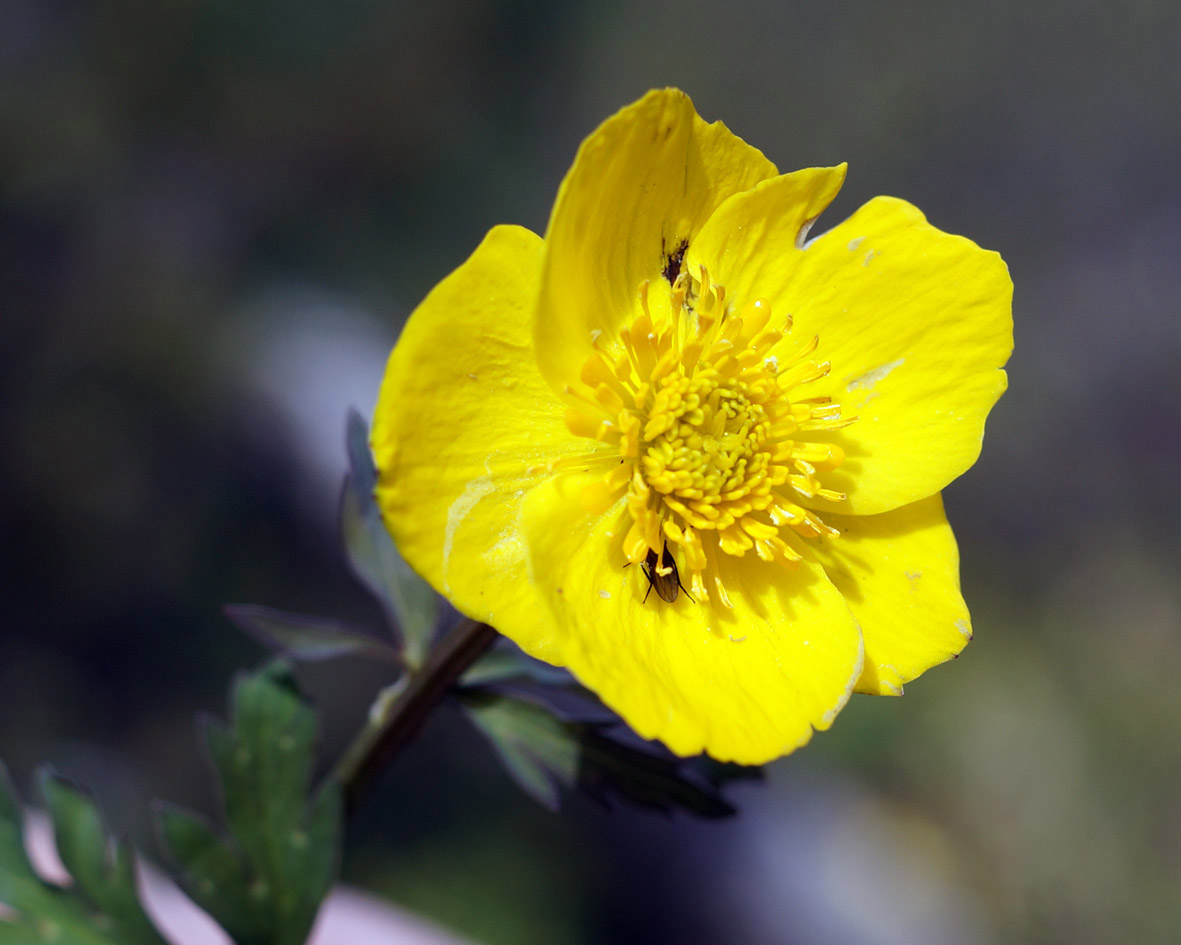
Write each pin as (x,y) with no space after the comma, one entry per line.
(400,711)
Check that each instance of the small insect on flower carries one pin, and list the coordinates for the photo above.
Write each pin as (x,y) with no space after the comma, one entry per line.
(663,576)
(673,261)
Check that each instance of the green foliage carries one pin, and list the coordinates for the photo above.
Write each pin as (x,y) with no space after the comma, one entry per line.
(410,605)
(265,884)
(542,751)
(507,664)
(308,638)
(408,600)
(100,908)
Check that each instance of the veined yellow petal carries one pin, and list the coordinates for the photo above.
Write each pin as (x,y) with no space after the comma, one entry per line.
(915,323)
(899,574)
(781,211)
(746,683)
(464,427)
(640,189)
(677,396)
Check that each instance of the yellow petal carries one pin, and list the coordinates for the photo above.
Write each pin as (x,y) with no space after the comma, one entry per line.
(743,242)
(745,684)
(916,324)
(641,184)
(462,421)
(899,574)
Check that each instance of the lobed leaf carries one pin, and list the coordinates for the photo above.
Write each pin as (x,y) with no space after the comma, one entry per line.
(542,751)
(215,875)
(308,638)
(409,602)
(265,883)
(507,664)
(102,906)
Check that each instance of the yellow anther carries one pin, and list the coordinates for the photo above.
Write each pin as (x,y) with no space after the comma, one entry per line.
(710,438)
(760,531)
(755,315)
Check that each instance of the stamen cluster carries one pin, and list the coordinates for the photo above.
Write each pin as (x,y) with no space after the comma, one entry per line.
(707,432)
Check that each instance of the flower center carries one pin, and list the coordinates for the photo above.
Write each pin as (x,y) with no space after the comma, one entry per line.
(707,428)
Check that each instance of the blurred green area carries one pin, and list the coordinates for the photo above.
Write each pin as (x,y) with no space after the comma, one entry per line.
(213,218)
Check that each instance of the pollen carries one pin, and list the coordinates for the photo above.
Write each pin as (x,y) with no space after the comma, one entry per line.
(713,443)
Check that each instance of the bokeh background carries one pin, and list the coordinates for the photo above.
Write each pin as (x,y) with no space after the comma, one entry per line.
(214,217)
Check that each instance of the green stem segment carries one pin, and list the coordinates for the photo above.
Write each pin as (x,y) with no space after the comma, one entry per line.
(396,717)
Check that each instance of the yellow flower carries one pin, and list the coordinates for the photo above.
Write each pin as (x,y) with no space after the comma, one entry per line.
(676,366)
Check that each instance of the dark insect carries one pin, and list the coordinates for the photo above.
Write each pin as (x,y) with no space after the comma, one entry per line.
(667,585)
(672,262)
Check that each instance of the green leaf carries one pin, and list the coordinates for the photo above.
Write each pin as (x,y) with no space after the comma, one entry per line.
(216,876)
(101,907)
(538,749)
(504,664)
(308,638)
(409,602)
(542,751)
(264,885)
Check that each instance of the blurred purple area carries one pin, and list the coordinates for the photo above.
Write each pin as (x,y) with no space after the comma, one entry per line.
(214,218)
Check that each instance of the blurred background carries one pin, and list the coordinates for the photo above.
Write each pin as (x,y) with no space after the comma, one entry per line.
(214,218)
